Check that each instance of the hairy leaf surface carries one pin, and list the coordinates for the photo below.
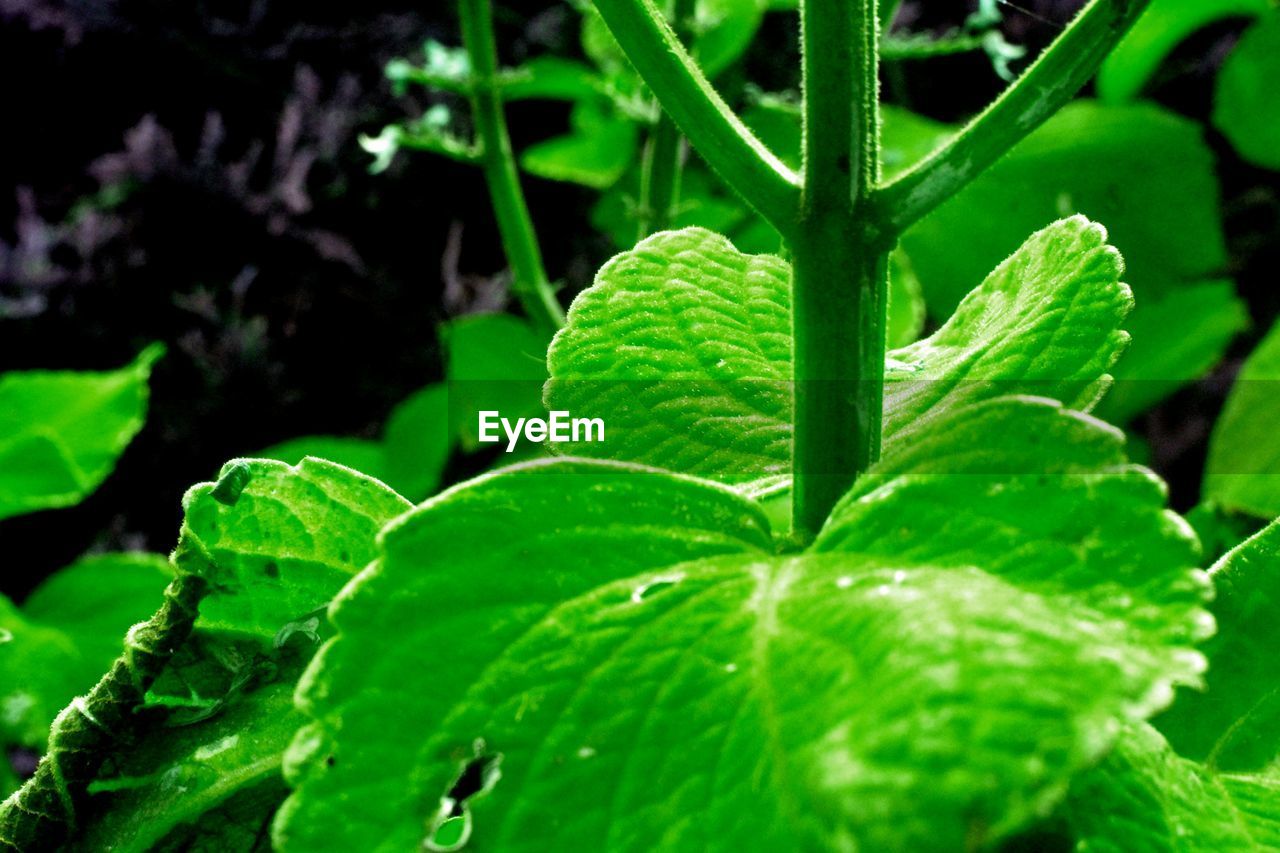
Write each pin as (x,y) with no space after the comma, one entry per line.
(901,685)
(278,541)
(683,347)
(61,432)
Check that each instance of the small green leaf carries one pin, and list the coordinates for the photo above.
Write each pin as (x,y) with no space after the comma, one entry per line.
(1243,469)
(1164,25)
(282,549)
(62,432)
(1245,107)
(638,668)
(683,347)
(551,78)
(595,153)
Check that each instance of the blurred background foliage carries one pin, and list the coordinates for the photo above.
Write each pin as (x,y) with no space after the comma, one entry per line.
(192,174)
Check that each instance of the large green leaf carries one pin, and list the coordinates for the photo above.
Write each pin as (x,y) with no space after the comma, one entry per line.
(62,432)
(1160,29)
(1243,469)
(495,362)
(1149,176)
(66,634)
(629,664)
(1217,787)
(683,347)
(1245,105)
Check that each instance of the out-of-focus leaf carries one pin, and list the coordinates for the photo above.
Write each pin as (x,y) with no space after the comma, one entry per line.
(61,432)
(1246,108)
(66,634)
(595,153)
(1243,469)
(367,457)
(1160,29)
(495,362)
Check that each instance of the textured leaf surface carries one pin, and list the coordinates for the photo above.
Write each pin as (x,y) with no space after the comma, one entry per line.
(1243,469)
(1149,176)
(649,673)
(62,432)
(683,347)
(213,786)
(277,541)
(1217,787)
(1161,28)
(1245,107)
(66,634)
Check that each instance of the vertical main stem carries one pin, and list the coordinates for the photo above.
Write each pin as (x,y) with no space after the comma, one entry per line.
(519,240)
(838,261)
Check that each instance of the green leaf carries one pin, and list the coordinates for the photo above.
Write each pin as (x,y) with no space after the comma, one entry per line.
(1243,469)
(272,544)
(1148,175)
(1164,25)
(683,347)
(1215,784)
(906,315)
(1245,107)
(551,78)
(67,633)
(495,362)
(411,456)
(1234,725)
(595,153)
(277,542)
(1145,798)
(213,786)
(639,669)
(417,442)
(62,432)
(367,457)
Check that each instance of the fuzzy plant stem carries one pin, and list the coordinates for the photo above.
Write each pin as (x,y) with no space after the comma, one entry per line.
(839,261)
(519,240)
(44,812)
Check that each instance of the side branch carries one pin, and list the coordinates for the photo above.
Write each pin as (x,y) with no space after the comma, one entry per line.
(1052,80)
(519,240)
(727,145)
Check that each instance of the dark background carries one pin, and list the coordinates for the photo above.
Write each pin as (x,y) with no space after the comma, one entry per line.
(189,173)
